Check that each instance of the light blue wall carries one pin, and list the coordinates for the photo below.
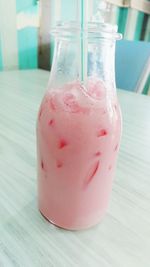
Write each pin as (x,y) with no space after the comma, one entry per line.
(69,10)
(1,62)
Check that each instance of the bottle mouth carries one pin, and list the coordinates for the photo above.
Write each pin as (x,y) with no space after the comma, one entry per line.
(91,30)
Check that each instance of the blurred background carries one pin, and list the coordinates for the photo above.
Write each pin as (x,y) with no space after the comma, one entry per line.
(25,42)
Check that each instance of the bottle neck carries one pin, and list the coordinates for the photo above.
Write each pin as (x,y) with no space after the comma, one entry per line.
(65,66)
(100,62)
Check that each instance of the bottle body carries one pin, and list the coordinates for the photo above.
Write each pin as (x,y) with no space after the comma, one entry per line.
(78,137)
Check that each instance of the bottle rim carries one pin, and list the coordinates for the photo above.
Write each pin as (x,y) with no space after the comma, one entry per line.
(91,30)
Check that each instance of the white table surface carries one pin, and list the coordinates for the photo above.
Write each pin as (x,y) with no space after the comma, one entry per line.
(26,238)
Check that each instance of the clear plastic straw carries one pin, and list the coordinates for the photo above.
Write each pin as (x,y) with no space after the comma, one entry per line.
(83,18)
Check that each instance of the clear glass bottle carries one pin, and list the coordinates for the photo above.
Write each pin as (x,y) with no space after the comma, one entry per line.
(79,128)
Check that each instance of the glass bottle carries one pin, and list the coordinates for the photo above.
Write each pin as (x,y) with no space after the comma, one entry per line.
(79,128)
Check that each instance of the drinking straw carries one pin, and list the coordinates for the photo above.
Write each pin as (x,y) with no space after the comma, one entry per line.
(83,18)
(90,10)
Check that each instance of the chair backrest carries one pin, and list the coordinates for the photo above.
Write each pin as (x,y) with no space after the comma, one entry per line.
(132,65)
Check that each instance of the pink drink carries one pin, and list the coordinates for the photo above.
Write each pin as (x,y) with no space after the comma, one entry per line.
(78,137)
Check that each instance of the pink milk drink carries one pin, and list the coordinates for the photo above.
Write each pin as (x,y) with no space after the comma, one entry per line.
(79,128)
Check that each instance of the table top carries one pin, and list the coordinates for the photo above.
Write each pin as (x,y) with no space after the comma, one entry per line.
(122,239)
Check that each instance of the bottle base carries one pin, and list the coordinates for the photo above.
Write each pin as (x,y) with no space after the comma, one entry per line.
(73,227)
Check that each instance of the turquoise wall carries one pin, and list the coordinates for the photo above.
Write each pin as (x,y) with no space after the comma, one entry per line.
(139,26)
(27,44)
(28,41)
(27,36)
(24,4)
